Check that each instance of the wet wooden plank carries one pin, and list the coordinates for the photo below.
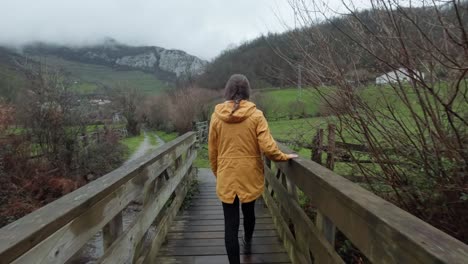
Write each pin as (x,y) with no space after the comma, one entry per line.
(216,250)
(211,228)
(216,234)
(217,241)
(222,259)
(208,222)
(215,216)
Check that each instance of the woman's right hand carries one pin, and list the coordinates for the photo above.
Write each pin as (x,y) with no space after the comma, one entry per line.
(292,156)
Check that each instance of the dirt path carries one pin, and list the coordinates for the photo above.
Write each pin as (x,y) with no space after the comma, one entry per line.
(145,146)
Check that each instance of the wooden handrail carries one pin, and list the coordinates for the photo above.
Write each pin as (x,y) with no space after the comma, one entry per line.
(55,232)
(383,232)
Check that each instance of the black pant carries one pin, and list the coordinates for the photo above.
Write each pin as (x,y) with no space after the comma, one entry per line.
(231,227)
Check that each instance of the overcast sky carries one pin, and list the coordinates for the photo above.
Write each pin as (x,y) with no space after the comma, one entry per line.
(201,27)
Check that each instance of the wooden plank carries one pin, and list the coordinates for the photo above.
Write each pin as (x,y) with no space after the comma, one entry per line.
(209,222)
(123,248)
(382,231)
(222,259)
(216,234)
(185,216)
(25,233)
(216,250)
(200,242)
(215,212)
(206,228)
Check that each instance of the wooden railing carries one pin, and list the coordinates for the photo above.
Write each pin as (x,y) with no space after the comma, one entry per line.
(57,231)
(380,230)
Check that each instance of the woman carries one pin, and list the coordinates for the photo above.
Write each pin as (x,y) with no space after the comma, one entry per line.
(238,135)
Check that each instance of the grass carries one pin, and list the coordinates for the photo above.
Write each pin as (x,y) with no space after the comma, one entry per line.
(152,138)
(132,143)
(166,137)
(202,157)
(88,78)
(303,129)
(282,101)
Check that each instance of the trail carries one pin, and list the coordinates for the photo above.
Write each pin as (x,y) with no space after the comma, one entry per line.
(144,147)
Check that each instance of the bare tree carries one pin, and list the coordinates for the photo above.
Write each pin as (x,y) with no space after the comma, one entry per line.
(191,104)
(415,124)
(128,100)
(52,116)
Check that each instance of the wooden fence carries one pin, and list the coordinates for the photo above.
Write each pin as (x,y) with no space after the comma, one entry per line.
(202,131)
(55,232)
(335,151)
(380,230)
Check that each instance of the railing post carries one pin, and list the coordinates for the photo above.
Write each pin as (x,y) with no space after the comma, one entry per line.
(112,231)
(324,224)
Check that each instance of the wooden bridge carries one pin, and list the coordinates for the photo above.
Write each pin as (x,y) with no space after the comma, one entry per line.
(162,233)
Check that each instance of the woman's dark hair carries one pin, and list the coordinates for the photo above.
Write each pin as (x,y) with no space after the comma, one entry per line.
(237,89)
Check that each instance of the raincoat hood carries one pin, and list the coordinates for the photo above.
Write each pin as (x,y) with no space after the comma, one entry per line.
(246,109)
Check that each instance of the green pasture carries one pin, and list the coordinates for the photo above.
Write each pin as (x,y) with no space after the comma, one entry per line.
(88,78)
(167,136)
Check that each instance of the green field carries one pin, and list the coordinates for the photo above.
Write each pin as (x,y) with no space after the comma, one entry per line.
(132,143)
(377,97)
(89,78)
(166,137)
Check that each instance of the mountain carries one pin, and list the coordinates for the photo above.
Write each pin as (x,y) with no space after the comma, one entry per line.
(166,64)
(99,68)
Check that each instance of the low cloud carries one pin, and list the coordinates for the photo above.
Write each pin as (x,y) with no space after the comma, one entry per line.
(203,28)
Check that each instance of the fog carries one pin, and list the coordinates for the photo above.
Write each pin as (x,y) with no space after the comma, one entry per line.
(203,28)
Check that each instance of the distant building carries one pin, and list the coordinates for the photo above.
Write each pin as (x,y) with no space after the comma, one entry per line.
(99,101)
(400,75)
(117,117)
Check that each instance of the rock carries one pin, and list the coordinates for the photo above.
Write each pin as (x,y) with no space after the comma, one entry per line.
(145,60)
(111,53)
(181,63)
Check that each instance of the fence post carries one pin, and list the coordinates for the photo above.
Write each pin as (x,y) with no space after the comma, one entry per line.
(331,147)
(317,143)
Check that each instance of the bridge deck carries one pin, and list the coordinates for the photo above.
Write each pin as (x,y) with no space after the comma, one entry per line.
(197,235)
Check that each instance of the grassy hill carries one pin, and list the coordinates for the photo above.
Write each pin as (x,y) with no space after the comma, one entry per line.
(12,77)
(91,78)
(85,78)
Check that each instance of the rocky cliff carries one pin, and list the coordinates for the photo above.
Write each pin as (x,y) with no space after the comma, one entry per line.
(166,64)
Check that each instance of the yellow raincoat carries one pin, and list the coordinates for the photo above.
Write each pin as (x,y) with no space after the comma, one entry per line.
(235,144)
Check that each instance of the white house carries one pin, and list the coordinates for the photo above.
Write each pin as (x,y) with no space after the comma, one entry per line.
(400,75)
